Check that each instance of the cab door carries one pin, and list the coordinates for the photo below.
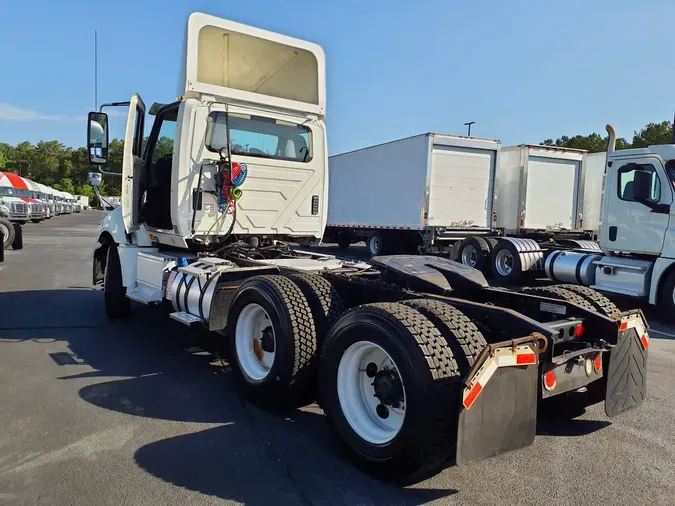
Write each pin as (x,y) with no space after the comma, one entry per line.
(631,226)
(132,163)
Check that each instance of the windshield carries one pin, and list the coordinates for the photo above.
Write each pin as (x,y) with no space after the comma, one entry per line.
(260,136)
(23,193)
(7,192)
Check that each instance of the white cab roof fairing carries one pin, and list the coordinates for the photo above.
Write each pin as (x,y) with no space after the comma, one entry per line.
(67,195)
(241,63)
(45,189)
(32,185)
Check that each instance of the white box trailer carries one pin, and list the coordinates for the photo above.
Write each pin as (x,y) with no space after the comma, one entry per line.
(422,191)
(538,189)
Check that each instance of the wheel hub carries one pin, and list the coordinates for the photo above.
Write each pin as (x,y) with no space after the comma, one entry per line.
(267,340)
(388,388)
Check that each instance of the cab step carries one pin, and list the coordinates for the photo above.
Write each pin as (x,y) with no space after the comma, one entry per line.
(186,318)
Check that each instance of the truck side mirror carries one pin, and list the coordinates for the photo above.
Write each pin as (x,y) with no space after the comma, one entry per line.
(642,185)
(95,179)
(97,138)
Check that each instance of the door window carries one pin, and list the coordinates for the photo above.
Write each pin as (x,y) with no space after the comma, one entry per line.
(626,177)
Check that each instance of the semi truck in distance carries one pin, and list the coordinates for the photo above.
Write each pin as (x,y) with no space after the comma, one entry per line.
(417,360)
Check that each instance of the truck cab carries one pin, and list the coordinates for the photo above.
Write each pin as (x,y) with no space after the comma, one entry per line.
(250,97)
(636,255)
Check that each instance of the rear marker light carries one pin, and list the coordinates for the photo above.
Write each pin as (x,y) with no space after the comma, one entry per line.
(644,340)
(549,380)
(597,363)
(579,331)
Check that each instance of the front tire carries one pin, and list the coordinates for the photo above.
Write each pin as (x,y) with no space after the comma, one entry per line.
(114,292)
(390,389)
(8,232)
(667,297)
(344,241)
(35,221)
(273,342)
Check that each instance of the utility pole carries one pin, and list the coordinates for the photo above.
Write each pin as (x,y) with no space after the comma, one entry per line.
(468,124)
(20,171)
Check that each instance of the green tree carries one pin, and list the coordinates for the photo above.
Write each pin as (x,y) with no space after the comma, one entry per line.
(65,185)
(654,133)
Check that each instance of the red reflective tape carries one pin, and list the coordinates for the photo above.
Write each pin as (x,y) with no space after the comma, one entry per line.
(644,340)
(526,358)
(472,395)
(623,326)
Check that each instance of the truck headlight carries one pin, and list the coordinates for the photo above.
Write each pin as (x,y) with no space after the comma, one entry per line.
(4,211)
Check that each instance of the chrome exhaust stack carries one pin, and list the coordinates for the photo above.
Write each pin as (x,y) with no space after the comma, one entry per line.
(612,140)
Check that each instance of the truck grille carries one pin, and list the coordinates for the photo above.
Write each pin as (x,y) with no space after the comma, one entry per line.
(35,210)
(19,210)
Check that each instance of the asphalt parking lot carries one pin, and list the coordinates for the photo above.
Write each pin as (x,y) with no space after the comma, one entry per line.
(143,411)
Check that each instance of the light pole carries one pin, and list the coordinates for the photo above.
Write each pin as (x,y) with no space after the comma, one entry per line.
(468,124)
(24,161)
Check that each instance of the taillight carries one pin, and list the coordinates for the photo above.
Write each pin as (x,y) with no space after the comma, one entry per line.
(579,331)
(597,362)
(549,380)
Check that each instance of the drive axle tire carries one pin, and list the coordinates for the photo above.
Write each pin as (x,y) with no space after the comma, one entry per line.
(324,302)
(475,252)
(600,303)
(461,334)
(391,390)
(273,342)
(557,292)
(114,292)
(8,233)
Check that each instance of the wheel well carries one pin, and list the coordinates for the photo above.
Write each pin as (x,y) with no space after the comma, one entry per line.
(664,277)
(101,256)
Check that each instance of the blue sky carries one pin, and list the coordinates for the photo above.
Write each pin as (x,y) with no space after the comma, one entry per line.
(523,70)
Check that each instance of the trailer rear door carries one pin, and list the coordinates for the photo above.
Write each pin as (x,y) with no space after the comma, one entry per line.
(551,193)
(460,185)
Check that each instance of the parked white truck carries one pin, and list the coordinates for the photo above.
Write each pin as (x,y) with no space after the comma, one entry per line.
(407,380)
(83,202)
(637,242)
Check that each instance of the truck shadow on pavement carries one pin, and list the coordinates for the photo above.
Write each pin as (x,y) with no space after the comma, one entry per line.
(176,373)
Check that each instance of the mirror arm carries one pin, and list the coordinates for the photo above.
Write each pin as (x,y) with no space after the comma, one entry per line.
(113,104)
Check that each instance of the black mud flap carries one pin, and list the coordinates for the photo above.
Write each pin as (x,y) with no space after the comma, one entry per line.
(627,371)
(503,417)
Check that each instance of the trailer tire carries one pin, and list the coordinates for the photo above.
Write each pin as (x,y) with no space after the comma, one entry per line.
(114,292)
(461,334)
(284,380)
(600,303)
(426,387)
(376,245)
(324,302)
(8,232)
(558,292)
(475,252)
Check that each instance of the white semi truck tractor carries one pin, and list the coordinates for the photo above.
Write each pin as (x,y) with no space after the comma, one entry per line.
(637,242)
(416,360)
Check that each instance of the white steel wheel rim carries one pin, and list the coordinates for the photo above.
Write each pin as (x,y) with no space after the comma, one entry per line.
(504,262)
(374,245)
(357,395)
(254,361)
(5,231)
(469,255)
